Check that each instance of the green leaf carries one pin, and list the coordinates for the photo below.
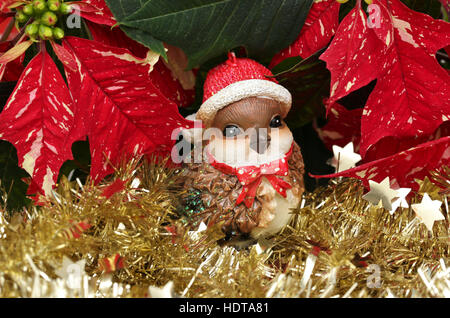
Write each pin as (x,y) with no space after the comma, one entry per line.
(146,39)
(80,166)
(205,29)
(430,7)
(346,8)
(308,80)
(11,185)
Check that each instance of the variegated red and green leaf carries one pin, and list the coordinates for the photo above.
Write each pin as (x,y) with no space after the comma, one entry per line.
(404,167)
(37,120)
(124,113)
(320,25)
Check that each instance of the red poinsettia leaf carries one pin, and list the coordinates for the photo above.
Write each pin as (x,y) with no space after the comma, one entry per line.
(404,167)
(34,193)
(96,11)
(64,56)
(4,46)
(171,78)
(116,37)
(379,21)
(4,23)
(78,91)
(320,25)
(37,120)
(412,94)
(10,71)
(343,126)
(350,55)
(169,84)
(389,146)
(124,113)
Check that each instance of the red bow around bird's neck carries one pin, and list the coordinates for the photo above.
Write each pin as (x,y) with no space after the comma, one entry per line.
(251,176)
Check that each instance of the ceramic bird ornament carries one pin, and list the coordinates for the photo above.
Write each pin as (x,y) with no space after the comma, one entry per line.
(249,174)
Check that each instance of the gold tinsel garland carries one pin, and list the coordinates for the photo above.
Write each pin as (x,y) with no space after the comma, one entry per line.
(337,245)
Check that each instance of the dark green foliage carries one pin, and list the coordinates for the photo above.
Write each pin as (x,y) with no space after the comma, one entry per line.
(206,28)
(430,7)
(80,166)
(11,185)
(308,80)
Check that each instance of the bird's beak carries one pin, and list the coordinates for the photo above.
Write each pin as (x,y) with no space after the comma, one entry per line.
(259,140)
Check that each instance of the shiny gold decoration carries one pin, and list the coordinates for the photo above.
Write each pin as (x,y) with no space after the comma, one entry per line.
(337,245)
(441,177)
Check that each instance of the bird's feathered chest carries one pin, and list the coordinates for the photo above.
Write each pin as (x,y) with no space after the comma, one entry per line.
(211,196)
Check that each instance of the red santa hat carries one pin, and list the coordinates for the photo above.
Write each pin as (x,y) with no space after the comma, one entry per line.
(236,79)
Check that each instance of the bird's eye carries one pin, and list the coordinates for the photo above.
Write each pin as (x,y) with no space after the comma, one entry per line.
(231,131)
(276,122)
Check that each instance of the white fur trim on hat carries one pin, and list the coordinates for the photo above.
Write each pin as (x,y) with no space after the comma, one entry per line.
(240,90)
